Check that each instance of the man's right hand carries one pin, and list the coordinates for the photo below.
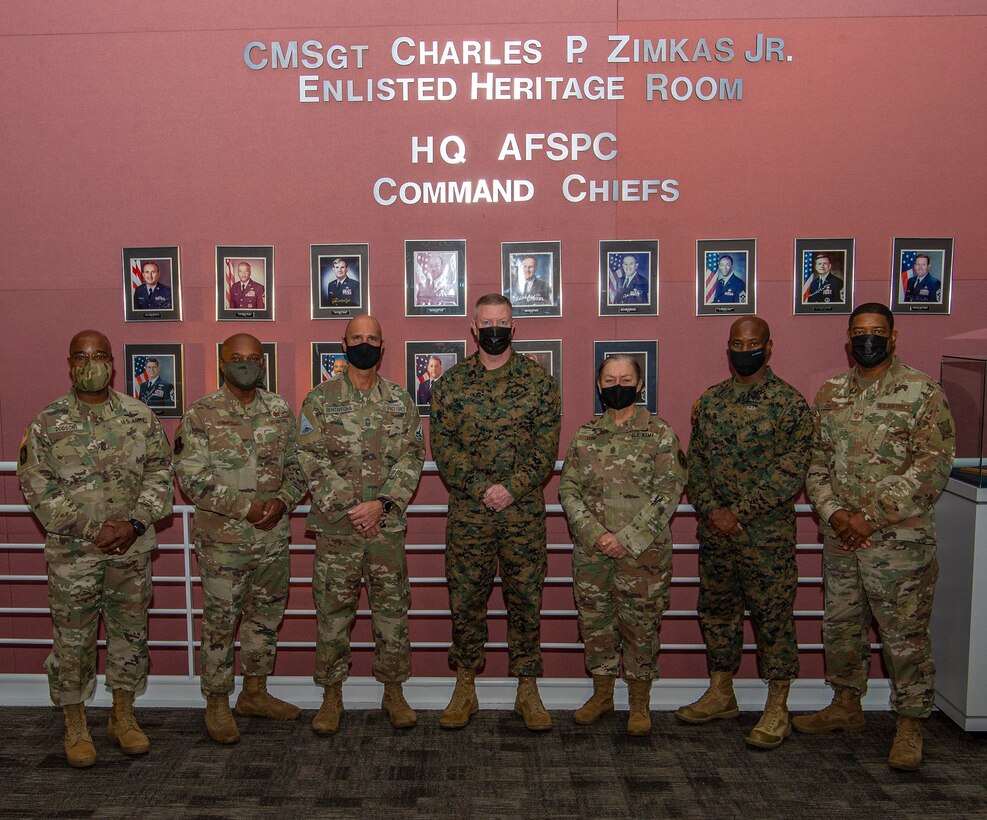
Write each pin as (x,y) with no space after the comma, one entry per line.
(723,522)
(256,511)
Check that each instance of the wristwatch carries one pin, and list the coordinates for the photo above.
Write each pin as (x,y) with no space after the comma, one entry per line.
(139,526)
(386,503)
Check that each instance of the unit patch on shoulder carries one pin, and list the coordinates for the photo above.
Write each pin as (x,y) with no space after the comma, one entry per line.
(418,433)
(306,426)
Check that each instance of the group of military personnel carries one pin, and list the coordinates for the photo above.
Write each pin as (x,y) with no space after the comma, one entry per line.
(873,453)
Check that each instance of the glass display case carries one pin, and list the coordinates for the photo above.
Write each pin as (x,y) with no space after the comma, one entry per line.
(965,381)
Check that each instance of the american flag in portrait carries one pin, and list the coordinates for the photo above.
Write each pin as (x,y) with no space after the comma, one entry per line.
(807,271)
(140,376)
(421,365)
(907,263)
(712,265)
(615,274)
(136,279)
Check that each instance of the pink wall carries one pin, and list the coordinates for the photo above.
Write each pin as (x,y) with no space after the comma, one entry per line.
(126,126)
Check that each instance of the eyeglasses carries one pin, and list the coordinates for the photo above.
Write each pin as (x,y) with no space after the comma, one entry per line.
(98,356)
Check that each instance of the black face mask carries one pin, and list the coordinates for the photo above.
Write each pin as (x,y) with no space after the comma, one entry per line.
(494,340)
(619,396)
(363,356)
(869,350)
(747,362)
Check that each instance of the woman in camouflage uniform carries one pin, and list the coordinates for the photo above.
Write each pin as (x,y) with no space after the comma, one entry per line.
(622,480)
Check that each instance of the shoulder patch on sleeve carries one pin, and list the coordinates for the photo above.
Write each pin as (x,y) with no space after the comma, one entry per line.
(306,426)
(179,445)
(418,433)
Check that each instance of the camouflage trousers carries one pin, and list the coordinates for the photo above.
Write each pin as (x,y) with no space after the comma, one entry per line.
(894,582)
(763,577)
(341,562)
(78,592)
(473,550)
(620,603)
(245,583)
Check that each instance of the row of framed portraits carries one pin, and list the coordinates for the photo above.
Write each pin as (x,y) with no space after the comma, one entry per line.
(531,277)
(155,373)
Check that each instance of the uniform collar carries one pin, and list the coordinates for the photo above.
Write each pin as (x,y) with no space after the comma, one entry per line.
(639,421)
(109,408)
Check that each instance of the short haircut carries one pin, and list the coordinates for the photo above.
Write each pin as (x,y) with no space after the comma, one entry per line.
(244,264)
(924,256)
(492,299)
(725,256)
(530,256)
(620,357)
(150,262)
(819,256)
(152,360)
(873,307)
(340,259)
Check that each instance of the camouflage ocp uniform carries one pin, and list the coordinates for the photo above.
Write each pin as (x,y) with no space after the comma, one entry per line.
(359,445)
(228,454)
(884,449)
(626,480)
(496,427)
(748,453)
(79,466)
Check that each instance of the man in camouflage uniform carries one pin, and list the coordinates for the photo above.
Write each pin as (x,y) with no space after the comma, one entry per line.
(623,477)
(751,437)
(95,468)
(236,459)
(883,448)
(361,448)
(495,438)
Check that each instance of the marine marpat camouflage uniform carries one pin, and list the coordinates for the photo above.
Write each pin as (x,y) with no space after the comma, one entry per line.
(626,480)
(357,445)
(79,466)
(228,454)
(885,450)
(496,427)
(748,453)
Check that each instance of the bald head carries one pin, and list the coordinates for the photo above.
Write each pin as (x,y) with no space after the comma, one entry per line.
(89,341)
(751,327)
(242,346)
(361,329)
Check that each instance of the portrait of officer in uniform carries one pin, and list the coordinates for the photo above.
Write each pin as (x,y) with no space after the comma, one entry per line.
(824,286)
(155,392)
(433,369)
(341,287)
(153,294)
(729,288)
(245,293)
(921,285)
(630,284)
(529,288)
(95,468)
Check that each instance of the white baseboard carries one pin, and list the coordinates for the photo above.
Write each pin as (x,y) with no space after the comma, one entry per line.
(563,694)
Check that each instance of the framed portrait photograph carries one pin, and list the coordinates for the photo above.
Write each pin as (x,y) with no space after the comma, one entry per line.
(435,277)
(156,376)
(270,379)
(921,275)
(823,276)
(328,361)
(152,284)
(646,355)
(340,281)
(629,277)
(425,362)
(544,352)
(726,277)
(531,274)
(245,283)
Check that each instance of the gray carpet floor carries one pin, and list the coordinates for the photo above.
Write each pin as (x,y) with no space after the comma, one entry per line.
(492,768)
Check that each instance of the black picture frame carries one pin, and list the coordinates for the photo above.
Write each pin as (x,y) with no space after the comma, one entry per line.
(737,295)
(545,352)
(256,302)
(921,296)
(435,277)
(165,395)
(823,276)
(621,295)
(145,300)
(416,362)
(324,355)
(542,296)
(351,295)
(270,380)
(646,351)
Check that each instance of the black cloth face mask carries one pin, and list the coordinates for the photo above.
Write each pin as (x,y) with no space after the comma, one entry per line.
(747,362)
(363,356)
(494,340)
(619,396)
(869,350)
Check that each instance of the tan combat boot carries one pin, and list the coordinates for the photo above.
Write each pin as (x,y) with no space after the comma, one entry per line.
(219,720)
(599,703)
(529,706)
(79,750)
(123,727)
(906,749)
(842,715)
(256,701)
(639,698)
(463,704)
(401,715)
(774,725)
(717,702)
(326,721)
